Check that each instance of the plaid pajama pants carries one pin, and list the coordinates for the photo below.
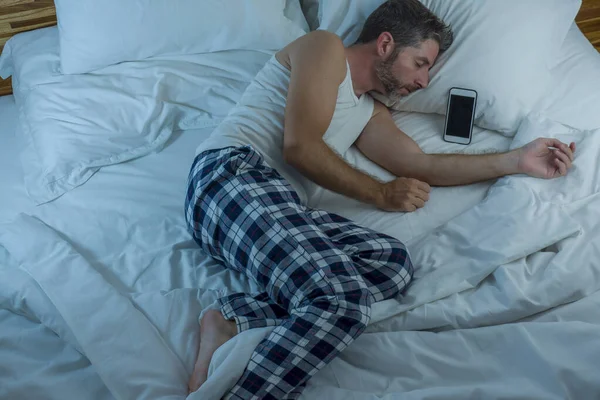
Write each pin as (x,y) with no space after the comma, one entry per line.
(319,273)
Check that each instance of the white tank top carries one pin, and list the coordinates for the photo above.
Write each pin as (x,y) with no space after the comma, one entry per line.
(258,120)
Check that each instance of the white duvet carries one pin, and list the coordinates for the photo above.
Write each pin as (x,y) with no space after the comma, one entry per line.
(73,125)
(504,304)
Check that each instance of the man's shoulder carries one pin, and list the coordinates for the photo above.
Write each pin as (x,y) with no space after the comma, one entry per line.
(316,45)
(319,41)
(321,52)
(325,36)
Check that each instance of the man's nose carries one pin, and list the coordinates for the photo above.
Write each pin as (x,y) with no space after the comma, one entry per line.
(423,79)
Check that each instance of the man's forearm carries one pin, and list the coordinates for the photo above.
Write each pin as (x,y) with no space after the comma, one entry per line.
(321,165)
(461,169)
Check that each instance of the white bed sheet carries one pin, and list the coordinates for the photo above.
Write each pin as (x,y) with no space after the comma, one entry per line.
(125,201)
(13,196)
(127,225)
(110,271)
(127,222)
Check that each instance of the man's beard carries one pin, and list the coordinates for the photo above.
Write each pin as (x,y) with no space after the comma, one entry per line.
(391,85)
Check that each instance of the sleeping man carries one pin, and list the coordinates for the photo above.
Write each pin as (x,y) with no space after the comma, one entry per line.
(250,183)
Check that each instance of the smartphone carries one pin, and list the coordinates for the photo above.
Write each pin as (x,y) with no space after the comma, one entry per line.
(460,116)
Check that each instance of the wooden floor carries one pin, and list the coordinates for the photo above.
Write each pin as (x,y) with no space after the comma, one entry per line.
(24,15)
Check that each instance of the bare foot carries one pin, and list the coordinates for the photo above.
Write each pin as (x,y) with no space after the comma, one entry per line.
(214,331)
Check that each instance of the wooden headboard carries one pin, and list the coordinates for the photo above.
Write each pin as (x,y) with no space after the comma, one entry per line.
(21,16)
(25,15)
(588,21)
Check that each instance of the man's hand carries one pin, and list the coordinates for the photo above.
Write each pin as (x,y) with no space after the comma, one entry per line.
(403,194)
(545,158)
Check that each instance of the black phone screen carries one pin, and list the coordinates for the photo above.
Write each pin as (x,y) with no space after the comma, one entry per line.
(460,115)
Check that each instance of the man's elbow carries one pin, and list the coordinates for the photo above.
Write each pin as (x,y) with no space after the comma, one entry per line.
(296,153)
(293,154)
(289,155)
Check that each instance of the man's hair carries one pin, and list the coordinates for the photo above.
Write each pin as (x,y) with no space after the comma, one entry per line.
(409,22)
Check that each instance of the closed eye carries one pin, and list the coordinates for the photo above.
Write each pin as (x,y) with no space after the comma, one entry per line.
(421,62)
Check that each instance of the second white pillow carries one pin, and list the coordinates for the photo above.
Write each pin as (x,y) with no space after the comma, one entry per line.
(503,49)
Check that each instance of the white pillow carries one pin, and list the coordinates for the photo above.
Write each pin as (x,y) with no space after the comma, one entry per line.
(72,125)
(574,98)
(503,49)
(95,34)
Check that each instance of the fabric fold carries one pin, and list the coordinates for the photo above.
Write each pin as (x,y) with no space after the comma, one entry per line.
(126,350)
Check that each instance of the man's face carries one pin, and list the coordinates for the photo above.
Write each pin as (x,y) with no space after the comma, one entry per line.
(407,70)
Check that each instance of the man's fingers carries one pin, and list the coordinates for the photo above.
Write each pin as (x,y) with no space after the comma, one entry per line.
(421,194)
(424,186)
(562,168)
(417,202)
(567,150)
(409,208)
(550,142)
(557,144)
(563,157)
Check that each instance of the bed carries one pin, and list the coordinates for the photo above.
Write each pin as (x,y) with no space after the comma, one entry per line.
(101,285)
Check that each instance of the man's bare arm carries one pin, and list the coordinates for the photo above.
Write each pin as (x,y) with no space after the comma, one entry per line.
(386,145)
(318,67)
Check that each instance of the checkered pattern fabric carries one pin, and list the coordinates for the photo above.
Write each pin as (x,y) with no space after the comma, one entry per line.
(319,273)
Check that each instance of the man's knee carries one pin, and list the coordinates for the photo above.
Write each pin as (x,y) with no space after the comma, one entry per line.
(358,315)
(350,300)
(351,308)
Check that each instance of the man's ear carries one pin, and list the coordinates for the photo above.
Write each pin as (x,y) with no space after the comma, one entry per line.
(385,45)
